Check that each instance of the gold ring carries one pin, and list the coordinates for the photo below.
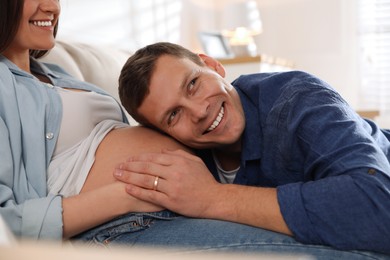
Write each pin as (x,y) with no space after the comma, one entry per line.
(155,184)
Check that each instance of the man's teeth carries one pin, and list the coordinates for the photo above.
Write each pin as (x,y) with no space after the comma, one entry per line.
(217,120)
(42,23)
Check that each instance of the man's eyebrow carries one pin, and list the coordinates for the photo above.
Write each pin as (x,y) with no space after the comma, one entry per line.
(183,86)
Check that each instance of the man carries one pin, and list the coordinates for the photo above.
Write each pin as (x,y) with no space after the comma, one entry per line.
(293,156)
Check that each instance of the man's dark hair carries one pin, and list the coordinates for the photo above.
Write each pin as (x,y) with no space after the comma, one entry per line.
(136,74)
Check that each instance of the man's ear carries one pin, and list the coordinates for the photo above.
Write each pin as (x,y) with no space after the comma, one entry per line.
(213,64)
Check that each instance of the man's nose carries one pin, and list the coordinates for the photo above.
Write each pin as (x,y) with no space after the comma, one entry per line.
(198,111)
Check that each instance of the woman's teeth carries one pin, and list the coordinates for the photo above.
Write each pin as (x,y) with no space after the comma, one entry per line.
(217,120)
(42,23)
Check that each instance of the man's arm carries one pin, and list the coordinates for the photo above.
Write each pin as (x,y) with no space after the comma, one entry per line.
(338,211)
(186,186)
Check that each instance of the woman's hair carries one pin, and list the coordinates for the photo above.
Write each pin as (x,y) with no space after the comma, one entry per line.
(11,12)
(135,76)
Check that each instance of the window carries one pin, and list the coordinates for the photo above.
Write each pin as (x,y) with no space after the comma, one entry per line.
(374,35)
(153,21)
(126,24)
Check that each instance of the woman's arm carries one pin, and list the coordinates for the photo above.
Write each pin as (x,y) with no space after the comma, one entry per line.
(92,208)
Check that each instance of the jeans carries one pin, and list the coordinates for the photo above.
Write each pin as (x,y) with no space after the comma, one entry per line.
(166,229)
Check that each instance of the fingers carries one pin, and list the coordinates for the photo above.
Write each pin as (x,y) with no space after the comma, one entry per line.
(145,165)
(155,164)
(146,181)
(164,165)
(151,196)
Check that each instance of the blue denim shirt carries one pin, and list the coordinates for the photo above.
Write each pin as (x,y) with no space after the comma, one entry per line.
(30,118)
(331,167)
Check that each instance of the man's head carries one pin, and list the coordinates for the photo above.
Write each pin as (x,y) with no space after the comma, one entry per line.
(182,94)
(135,76)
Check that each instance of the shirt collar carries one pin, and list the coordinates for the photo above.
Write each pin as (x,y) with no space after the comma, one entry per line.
(13,68)
(41,68)
(252,135)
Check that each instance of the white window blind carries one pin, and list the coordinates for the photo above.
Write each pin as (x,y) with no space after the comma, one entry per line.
(374,35)
(127,24)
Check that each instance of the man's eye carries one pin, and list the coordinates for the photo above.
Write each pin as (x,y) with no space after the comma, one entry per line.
(192,84)
(172,117)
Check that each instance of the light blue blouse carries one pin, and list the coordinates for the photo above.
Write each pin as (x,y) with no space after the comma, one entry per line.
(30,118)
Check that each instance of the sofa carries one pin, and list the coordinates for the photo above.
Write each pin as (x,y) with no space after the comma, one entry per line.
(97,64)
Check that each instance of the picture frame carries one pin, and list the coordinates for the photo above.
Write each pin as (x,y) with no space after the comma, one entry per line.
(215,45)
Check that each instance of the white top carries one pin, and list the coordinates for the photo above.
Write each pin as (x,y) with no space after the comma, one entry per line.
(82,111)
(87,118)
(225,176)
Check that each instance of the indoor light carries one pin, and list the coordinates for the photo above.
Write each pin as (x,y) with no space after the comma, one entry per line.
(242,21)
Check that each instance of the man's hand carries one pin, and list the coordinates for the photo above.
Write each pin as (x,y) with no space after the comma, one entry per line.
(175,180)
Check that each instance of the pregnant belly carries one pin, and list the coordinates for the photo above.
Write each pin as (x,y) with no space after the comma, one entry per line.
(118,146)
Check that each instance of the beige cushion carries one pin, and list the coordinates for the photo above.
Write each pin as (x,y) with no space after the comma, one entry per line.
(99,65)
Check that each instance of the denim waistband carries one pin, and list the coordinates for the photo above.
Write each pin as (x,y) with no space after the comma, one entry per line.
(127,223)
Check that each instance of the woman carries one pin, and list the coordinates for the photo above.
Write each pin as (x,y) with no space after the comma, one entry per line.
(39,131)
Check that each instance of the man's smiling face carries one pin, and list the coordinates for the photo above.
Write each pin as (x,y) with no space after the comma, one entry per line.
(194,104)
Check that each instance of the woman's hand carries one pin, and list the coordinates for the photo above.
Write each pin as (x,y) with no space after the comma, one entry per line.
(99,206)
(175,180)
(133,204)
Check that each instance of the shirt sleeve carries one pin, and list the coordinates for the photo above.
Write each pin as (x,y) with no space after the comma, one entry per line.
(344,200)
(24,211)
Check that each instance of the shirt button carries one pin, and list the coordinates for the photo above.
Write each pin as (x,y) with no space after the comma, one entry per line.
(371,171)
(49,136)
(49,85)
